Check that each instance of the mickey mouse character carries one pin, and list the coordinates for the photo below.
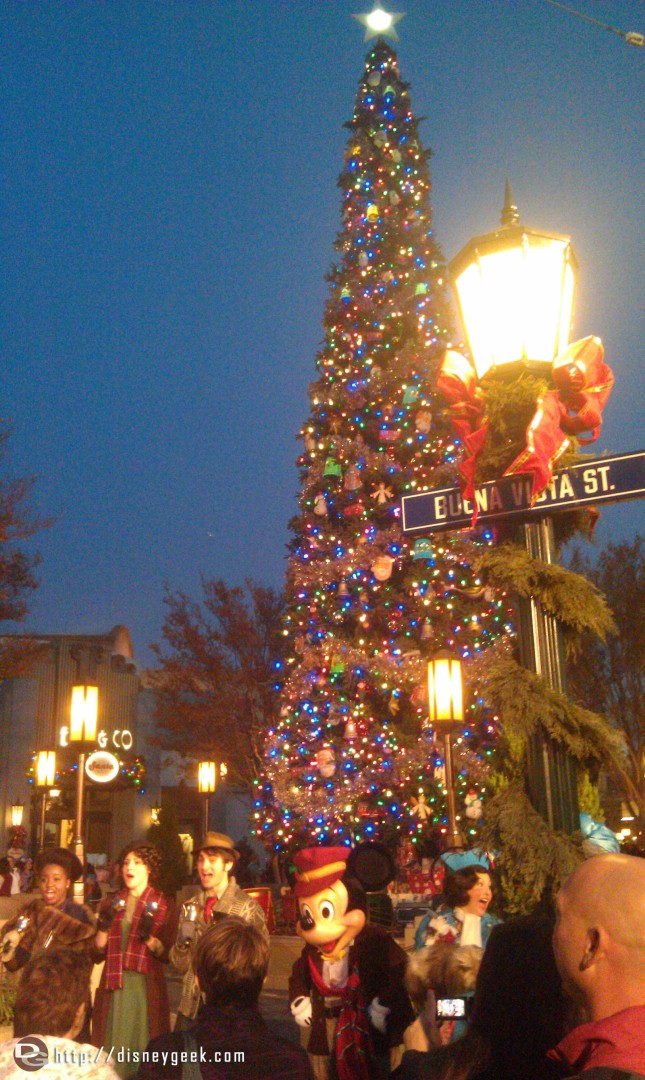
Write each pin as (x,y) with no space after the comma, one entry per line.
(346,989)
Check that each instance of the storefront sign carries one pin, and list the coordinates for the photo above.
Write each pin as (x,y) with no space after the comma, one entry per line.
(121,739)
(102,766)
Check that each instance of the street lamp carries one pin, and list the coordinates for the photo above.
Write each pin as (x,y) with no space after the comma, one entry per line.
(17,810)
(45,779)
(82,731)
(515,291)
(207,773)
(446,713)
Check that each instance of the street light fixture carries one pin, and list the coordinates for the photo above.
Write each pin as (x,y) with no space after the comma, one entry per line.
(17,810)
(515,292)
(82,731)
(515,289)
(446,713)
(207,774)
(45,779)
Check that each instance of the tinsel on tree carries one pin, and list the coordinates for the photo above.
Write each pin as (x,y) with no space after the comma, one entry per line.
(351,756)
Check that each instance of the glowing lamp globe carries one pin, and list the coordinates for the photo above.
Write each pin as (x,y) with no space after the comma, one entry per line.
(46,768)
(207,777)
(84,713)
(445,691)
(515,291)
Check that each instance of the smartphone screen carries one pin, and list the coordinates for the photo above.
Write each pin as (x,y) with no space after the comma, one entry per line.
(451,1008)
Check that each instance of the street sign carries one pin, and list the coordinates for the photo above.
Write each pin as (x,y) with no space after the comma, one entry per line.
(607,479)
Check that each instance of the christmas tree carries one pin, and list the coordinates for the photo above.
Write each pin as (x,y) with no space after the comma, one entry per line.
(351,757)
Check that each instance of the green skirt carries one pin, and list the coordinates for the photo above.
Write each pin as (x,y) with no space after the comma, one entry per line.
(127,1023)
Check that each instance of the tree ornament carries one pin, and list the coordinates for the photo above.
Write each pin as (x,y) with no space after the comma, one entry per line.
(423,421)
(374,78)
(419,696)
(426,630)
(342,589)
(372,212)
(354,509)
(382,494)
(410,395)
(320,505)
(395,198)
(421,289)
(353,479)
(332,468)
(473,805)
(396,156)
(388,90)
(363,259)
(389,435)
(345,294)
(326,761)
(310,443)
(382,567)
(380,139)
(423,549)
(419,808)
(350,730)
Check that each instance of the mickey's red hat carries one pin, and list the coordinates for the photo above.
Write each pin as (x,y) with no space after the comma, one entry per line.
(318,868)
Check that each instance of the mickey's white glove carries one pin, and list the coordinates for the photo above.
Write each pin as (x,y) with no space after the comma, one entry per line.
(378,1014)
(301,1011)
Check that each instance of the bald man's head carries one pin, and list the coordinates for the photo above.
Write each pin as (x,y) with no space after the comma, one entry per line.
(599,939)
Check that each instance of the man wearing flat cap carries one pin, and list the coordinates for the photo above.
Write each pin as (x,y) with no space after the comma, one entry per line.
(220,895)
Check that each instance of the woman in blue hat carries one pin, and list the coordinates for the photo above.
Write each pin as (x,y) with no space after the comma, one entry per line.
(465,919)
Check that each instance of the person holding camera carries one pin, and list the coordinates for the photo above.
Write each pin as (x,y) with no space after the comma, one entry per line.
(219,895)
(136,928)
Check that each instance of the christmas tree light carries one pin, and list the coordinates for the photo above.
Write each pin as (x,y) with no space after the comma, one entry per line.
(352,756)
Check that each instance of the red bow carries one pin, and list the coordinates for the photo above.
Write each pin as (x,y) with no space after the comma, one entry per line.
(583,384)
(458,383)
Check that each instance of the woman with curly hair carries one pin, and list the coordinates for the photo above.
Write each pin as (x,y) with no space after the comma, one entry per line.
(465,920)
(136,929)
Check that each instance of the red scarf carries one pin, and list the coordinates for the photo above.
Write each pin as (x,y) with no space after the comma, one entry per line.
(137,955)
(352,1050)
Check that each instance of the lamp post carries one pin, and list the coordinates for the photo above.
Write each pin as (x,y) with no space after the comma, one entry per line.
(207,774)
(82,731)
(45,778)
(446,713)
(515,291)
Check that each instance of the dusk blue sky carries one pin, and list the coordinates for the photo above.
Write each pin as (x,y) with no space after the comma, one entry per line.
(169,206)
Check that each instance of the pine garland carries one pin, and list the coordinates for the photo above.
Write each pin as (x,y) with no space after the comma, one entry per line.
(532,860)
(570,598)
(525,702)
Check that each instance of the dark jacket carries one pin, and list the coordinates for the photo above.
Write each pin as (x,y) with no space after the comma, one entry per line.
(227,1031)
(381,967)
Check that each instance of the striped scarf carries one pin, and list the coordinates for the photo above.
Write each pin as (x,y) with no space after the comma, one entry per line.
(137,955)
(353,1052)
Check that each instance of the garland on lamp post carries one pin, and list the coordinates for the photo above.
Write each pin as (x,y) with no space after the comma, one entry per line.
(518,411)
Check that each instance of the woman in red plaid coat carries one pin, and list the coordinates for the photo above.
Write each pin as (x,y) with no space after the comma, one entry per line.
(136,929)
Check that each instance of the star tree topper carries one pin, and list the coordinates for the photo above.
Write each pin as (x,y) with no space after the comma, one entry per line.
(380,23)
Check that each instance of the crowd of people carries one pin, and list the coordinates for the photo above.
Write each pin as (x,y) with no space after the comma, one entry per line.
(527,998)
